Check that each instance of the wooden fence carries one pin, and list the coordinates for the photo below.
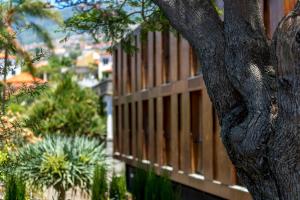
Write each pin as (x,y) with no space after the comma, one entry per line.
(163,116)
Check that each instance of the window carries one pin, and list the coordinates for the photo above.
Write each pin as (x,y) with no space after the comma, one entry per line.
(105,61)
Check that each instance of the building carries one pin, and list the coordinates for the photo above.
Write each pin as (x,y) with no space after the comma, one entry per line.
(163,117)
(13,69)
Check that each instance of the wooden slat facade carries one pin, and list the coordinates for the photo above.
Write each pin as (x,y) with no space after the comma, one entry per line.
(163,116)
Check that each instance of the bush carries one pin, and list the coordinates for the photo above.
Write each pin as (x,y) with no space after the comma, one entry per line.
(61,162)
(117,188)
(66,110)
(148,186)
(100,186)
(15,188)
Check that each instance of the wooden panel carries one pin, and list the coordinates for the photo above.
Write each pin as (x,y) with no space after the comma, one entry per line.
(223,171)
(150,60)
(208,133)
(159,133)
(134,129)
(115,72)
(289,5)
(185,134)
(126,129)
(184,58)
(120,79)
(140,141)
(276,13)
(115,128)
(139,63)
(158,57)
(173,57)
(174,132)
(151,131)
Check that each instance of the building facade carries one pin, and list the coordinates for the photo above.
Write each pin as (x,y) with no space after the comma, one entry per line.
(163,116)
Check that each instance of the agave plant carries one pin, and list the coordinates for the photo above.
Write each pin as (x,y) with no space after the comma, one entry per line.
(61,162)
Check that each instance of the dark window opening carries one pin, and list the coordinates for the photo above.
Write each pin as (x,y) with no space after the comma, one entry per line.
(130,128)
(145,130)
(179,130)
(167,130)
(166,56)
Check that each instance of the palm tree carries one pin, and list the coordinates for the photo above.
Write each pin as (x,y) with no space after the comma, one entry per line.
(15,15)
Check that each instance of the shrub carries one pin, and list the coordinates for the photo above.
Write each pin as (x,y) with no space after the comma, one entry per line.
(66,110)
(153,187)
(100,186)
(61,162)
(117,188)
(15,188)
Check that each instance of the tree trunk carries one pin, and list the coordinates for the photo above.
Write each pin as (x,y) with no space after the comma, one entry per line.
(254,85)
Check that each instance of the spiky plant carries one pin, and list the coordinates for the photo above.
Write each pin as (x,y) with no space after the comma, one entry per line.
(117,190)
(100,186)
(15,188)
(61,162)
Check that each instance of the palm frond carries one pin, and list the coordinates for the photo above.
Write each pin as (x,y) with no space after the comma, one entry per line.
(42,34)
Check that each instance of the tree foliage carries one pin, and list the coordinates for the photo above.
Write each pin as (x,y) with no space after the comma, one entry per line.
(66,110)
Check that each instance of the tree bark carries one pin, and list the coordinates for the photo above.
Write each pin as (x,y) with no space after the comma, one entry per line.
(254,85)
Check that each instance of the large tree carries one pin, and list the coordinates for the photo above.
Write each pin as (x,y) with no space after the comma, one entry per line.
(254,85)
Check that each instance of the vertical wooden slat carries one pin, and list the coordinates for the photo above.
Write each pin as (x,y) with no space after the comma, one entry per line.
(151,131)
(139,63)
(158,57)
(140,132)
(120,129)
(159,136)
(173,57)
(133,128)
(150,60)
(174,132)
(126,129)
(133,73)
(115,128)
(186,135)
(115,72)
(120,79)
(184,58)
(207,134)
(223,169)
(125,75)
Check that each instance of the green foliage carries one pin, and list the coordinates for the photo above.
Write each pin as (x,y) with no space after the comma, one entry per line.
(61,162)
(66,110)
(116,19)
(15,188)
(100,186)
(148,186)
(139,184)
(117,189)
